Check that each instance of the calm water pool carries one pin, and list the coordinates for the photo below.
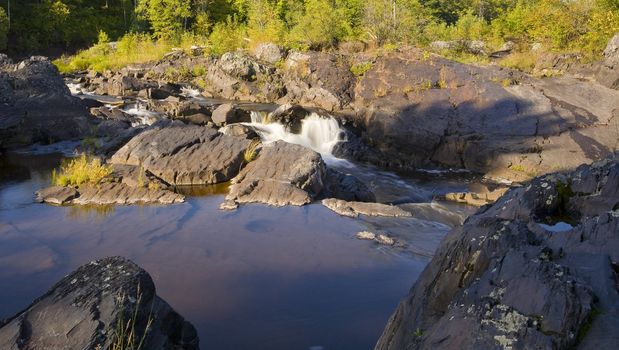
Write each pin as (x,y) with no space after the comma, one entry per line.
(255,278)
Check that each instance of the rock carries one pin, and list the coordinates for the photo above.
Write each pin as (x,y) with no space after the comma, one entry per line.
(241,66)
(270,53)
(354,209)
(290,116)
(478,198)
(366,235)
(58,195)
(283,174)
(38,106)
(508,279)
(228,113)
(460,116)
(386,240)
(114,193)
(85,308)
(380,238)
(611,53)
(239,130)
(346,187)
(185,155)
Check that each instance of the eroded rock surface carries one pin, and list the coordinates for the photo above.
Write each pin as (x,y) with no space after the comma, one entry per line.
(509,278)
(84,309)
(185,155)
(283,174)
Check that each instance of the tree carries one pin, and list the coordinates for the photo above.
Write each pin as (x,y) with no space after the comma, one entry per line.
(4,28)
(166,17)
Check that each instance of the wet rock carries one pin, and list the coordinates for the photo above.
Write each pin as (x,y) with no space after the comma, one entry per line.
(114,193)
(270,53)
(283,174)
(239,130)
(346,187)
(38,106)
(228,113)
(58,195)
(185,155)
(504,280)
(290,116)
(380,238)
(354,209)
(85,308)
(366,235)
(384,239)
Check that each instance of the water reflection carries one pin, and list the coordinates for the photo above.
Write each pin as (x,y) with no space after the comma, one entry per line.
(258,277)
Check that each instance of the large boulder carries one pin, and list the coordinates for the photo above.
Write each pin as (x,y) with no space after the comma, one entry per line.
(283,174)
(270,53)
(87,308)
(37,106)
(228,113)
(185,155)
(608,69)
(535,270)
(460,116)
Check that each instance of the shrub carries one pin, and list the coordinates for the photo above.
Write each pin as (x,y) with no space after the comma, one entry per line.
(361,68)
(227,36)
(4,28)
(81,170)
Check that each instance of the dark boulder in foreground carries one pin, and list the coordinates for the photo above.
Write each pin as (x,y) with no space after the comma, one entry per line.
(85,310)
(37,106)
(511,278)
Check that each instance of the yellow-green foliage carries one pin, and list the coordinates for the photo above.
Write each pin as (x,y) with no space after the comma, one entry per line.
(252,150)
(81,170)
(361,68)
(227,36)
(130,49)
(524,61)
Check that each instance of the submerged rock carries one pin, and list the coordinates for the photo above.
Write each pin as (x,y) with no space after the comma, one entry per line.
(354,209)
(86,308)
(505,280)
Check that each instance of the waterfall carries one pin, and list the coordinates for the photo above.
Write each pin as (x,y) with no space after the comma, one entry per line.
(142,115)
(317,132)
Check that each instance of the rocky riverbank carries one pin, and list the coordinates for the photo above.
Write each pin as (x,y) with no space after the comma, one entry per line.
(537,269)
(408,108)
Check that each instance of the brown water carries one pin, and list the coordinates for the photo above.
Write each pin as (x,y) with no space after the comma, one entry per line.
(256,278)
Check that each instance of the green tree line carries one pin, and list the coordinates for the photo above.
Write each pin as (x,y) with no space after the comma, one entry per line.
(566,25)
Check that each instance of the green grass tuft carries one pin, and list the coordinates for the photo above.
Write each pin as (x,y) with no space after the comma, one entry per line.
(81,170)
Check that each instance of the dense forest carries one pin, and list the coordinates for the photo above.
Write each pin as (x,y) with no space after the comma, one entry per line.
(30,26)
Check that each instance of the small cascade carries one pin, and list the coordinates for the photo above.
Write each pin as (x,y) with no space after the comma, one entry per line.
(317,132)
(142,114)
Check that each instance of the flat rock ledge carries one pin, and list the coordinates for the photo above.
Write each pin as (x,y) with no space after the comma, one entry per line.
(535,270)
(354,209)
(107,194)
(84,310)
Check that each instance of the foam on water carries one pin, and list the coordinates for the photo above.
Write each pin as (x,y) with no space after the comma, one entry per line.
(319,133)
(142,114)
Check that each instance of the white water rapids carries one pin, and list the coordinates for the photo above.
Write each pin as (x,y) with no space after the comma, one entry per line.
(318,133)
